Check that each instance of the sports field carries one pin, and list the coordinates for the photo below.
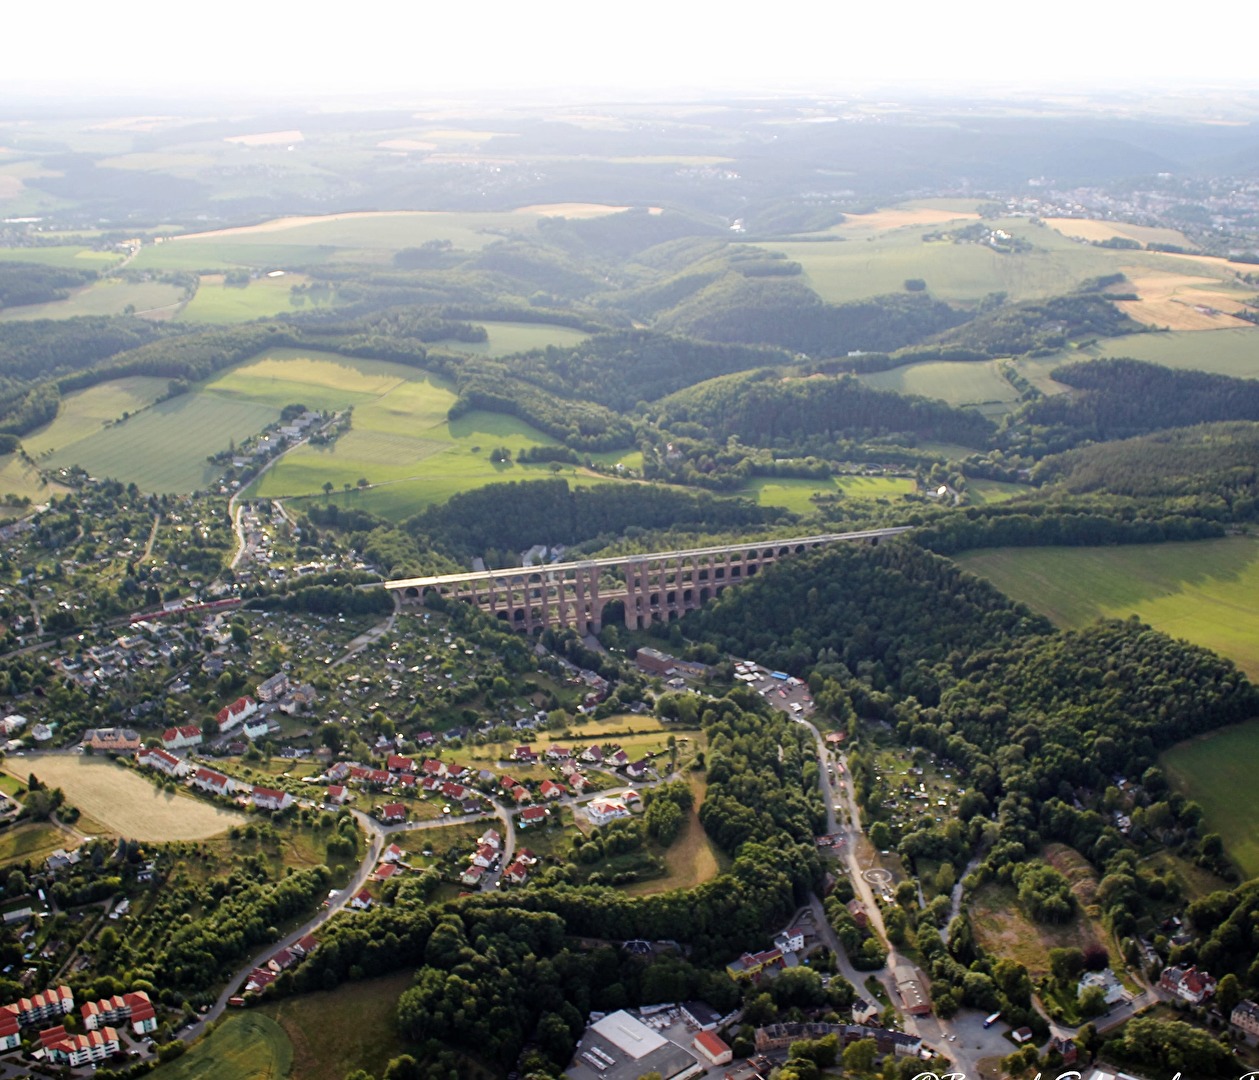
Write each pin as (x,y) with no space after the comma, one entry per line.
(1224,352)
(245,1046)
(973,383)
(216,302)
(151,299)
(1218,772)
(794,494)
(1206,591)
(125,802)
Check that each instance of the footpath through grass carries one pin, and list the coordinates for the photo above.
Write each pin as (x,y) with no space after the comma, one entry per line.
(1206,591)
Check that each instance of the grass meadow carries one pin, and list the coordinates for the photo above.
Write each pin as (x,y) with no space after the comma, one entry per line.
(795,493)
(332,1033)
(125,802)
(972,383)
(69,257)
(217,302)
(31,840)
(109,297)
(1206,591)
(1218,771)
(18,479)
(1002,929)
(512,337)
(245,1046)
(84,413)
(1232,352)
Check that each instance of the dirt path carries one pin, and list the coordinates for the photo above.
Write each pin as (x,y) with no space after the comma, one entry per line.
(148,548)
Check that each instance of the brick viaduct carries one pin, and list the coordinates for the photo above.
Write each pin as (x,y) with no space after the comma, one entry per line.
(659,586)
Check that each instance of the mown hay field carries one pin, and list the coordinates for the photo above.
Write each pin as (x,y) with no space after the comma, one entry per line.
(125,802)
(1206,591)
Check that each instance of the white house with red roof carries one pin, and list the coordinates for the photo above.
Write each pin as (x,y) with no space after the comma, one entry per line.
(491,837)
(396,764)
(337,795)
(713,1047)
(78,1050)
(385,871)
(135,1007)
(213,782)
(163,762)
(392,854)
(472,876)
(524,754)
(484,856)
(533,815)
(433,767)
(592,755)
(235,713)
(601,811)
(271,799)
(551,790)
(179,738)
(362,901)
(1187,983)
(517,873)
(521,794)
(10,1032)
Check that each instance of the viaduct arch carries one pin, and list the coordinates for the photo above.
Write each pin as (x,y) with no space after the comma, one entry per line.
(656,587)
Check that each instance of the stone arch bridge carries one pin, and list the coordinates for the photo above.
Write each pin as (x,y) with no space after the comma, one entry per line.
(655,587)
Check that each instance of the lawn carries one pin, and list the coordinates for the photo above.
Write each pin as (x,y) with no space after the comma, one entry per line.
(513,337)
(31,840)
(216,302)
(245,1046)
(1001,929)
(85,412)
(977,383)
(1206,591)
(1218,771)
(1224,352)
(110,297)
(125,802)
(333,1033)
(794,494)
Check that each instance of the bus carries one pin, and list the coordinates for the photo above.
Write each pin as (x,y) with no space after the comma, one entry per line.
(992,1019)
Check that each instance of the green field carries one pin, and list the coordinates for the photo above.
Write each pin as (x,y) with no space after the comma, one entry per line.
(31,840)
(512,337)
(855,268)
(1225,352)
(333,1033)
(18,479)
(985,492)
(110,297)
(1218,772)
(85,412)
(794,494)
(72,257)
(164,448)
(297,242)
(245,1046)
(1206,592)
(216,302)
(977,383)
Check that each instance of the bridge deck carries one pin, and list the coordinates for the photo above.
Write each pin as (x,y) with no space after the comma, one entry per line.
(522,572)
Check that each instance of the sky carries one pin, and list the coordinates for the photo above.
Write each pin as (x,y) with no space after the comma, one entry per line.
(283,48)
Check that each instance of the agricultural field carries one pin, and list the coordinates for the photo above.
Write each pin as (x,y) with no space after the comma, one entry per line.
(1206,591)
(1092,230)
(512,337)
(217,302)
(164,448)
(973,383)
(84,413)
(843,270)
(333,1033)
(125,802)
(70,256)
(368,237)
(113,296)
(795,493)
(1218,771)
(1224,352)
(245,1046)
(987,492)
